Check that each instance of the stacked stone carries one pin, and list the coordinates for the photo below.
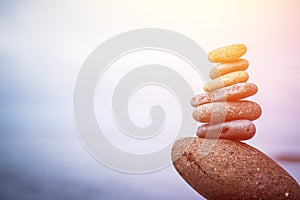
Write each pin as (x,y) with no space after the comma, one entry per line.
(231,169)
(224,96)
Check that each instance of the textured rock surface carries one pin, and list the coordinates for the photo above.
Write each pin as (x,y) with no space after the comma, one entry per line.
(230,93)
(225,68)
(228,53)
(226,80)
(232,130)
(232,170)
(233,110)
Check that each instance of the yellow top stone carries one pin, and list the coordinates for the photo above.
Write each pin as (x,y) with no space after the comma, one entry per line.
(227,53)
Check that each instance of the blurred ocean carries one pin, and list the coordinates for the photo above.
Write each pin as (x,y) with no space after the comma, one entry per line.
(44,43)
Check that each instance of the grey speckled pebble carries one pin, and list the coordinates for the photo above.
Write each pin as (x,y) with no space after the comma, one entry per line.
(232,170)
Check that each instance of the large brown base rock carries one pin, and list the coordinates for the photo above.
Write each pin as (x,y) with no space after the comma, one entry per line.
(231,170)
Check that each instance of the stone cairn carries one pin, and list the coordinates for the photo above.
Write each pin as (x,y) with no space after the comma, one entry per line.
(223,98)
(232,169)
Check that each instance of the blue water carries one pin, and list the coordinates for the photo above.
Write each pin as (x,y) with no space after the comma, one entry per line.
(62,169)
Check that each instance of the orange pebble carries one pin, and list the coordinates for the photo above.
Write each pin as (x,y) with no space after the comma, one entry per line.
(227,111)
(225,68)
(227,53)
(226,80)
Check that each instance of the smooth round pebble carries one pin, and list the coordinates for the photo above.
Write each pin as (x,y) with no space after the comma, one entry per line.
(226,80)
(231,170)
(232,130)
(229,93)
(227,111)
(225,68)
(227,53)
